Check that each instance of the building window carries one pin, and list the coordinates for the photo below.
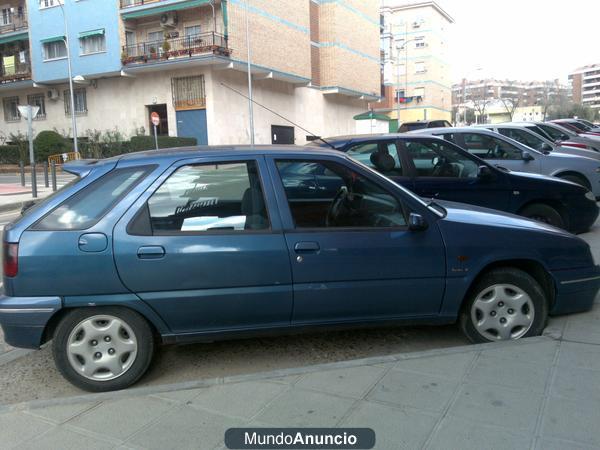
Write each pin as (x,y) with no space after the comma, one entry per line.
(80,99)
(92,42)
(420,67)
(54,50)
(5,17)
(38,100)
(193,30)
(420,42)
(50,3)
(11,109)
(188,92)
(419,92)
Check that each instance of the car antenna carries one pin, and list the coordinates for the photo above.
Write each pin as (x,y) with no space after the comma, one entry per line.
(317,138)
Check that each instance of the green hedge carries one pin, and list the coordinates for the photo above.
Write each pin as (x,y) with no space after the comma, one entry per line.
(139,143)
(9,154)
(49,144)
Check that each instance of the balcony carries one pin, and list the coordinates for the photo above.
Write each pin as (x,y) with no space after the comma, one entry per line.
(12,20)
(132,3)
(175,48)
(14,72)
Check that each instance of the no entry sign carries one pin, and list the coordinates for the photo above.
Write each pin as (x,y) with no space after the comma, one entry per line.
(155,118)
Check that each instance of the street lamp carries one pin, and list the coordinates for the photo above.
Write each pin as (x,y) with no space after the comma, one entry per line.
(399,48)
(70,69)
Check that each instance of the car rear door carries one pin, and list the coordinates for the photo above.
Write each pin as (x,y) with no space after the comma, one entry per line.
(203,246)
(353,257)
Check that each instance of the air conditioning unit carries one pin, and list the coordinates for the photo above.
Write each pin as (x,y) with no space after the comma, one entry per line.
(53,94)
(168,20)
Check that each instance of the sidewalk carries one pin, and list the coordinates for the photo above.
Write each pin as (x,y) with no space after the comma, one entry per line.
(541,393)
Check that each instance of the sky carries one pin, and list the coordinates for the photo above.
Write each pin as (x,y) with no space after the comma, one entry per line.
(522,39)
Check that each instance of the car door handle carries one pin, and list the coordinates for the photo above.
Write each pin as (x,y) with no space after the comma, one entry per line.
(151,252)
(306,247)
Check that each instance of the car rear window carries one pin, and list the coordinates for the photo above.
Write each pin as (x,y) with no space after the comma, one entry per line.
(89,205)
(412,126)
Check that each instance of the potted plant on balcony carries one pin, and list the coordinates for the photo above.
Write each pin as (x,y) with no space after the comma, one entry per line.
(166,47)
(153,53)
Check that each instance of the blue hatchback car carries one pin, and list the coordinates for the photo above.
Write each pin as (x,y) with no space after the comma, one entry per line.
(200,244)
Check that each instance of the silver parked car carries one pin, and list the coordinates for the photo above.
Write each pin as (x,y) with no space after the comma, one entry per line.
(541,144)
(508,153)
(565,136)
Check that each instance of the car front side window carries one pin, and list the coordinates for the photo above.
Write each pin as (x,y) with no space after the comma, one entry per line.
(436,159)
(347,199)
(490,147)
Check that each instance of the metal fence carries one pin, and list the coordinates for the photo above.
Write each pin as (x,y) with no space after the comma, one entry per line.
(175,47)
(16,72)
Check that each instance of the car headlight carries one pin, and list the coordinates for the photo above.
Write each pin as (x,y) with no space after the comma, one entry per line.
(590,196)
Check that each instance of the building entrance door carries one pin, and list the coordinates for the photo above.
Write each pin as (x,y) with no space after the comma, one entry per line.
(282,135)
(192,123)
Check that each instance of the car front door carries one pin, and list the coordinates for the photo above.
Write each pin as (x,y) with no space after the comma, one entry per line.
(443,171)
(204,248)
(353,257)
(498,151)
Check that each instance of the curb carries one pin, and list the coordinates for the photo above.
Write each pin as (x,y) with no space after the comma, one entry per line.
(188,385)
(11,206)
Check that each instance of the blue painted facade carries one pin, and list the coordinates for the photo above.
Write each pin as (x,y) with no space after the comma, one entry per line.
(82,16)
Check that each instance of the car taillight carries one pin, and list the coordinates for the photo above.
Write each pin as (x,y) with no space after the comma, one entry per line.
(11,259)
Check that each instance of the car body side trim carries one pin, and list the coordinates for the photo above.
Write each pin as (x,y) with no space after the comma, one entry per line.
(580,280)
(25,310)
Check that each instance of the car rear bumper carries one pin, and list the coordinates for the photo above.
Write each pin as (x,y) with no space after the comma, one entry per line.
(576,289)
(23,319)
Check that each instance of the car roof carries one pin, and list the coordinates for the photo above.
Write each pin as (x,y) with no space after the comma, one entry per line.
(340,141)
(481,130)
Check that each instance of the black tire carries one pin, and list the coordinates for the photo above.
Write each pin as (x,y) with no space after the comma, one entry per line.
(510,276)
(144,353)
(544,213)
(578,179)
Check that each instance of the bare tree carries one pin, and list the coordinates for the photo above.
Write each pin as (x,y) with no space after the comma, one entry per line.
(480,100)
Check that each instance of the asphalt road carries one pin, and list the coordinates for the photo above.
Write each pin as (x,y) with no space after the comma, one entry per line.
(34,376)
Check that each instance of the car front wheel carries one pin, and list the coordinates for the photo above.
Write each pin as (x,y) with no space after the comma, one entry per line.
(544,213)
(103,349)
(505,304)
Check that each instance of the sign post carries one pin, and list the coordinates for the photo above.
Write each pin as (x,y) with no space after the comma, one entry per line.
(29,112)
(155,118)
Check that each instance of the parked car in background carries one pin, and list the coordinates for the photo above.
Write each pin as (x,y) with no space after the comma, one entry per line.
(197,245)
(420,124)
(434,168)
(593,126)
(526,136)
(576,126)
(505,152)
(562,135)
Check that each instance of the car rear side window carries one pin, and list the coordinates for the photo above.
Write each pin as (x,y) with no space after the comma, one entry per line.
(90,204)
(209,197)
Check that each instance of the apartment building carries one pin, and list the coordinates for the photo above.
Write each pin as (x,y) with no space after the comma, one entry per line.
(527,93)
(585,82)
(314,62)
(415,68)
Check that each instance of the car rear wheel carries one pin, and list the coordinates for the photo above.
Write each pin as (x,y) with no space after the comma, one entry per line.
(544,213)
(578,179)
(505,304)
(103,349)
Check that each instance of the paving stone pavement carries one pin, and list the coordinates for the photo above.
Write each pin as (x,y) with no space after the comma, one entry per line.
(539,393)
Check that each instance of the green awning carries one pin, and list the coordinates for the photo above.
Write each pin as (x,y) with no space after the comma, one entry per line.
(370,115)
(85,34)
(162,9)
(52,39)
(14,37)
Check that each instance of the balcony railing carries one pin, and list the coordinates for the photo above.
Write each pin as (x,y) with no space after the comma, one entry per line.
(18,72)
(12,21)
(131,3)
(175,48)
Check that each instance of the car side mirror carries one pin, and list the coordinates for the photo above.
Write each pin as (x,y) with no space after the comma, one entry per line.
(546,147)
(484,173)
(416,222)
(527,157)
